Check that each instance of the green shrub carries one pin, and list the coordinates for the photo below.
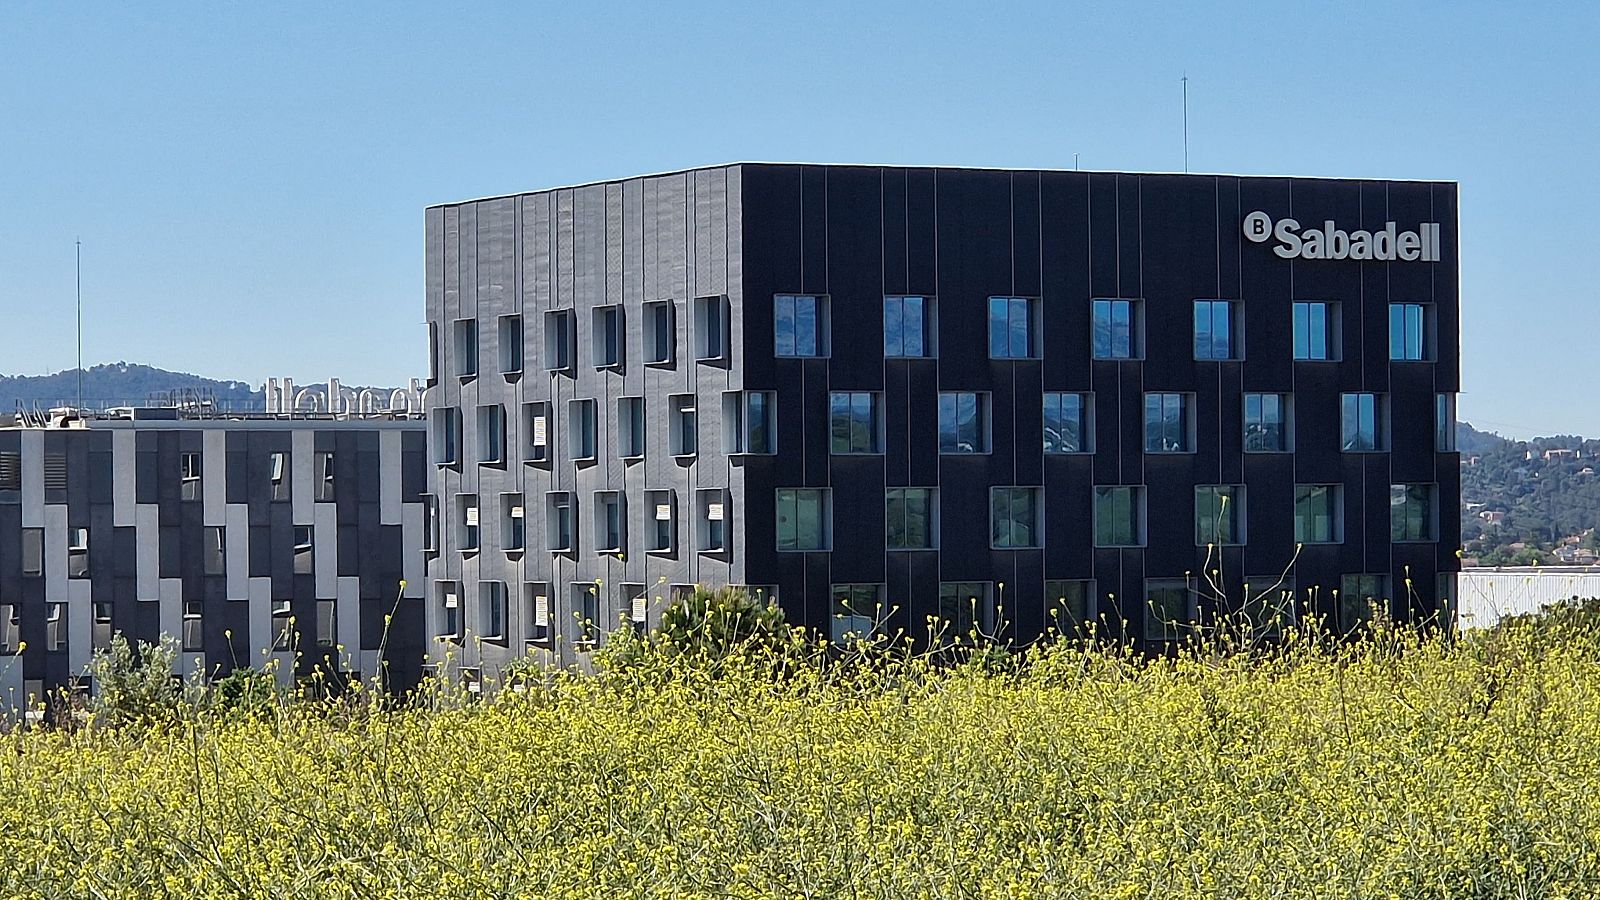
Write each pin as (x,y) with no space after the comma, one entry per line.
(136,686)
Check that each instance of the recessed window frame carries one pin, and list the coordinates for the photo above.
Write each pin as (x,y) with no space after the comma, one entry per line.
(662,536)
(1260,410)
(1161,622)
(536,614)
(508,331)
(447,435)
(1318,331)
(808,320)
(631,428)
(660,333)
(1208,346)
(1061,410)
(607,336)
(857,611)
(1069,604)
(797,501)
(468,522)
(561,517)
(1411,332)
(1220,515)
(955,433)
(491,421)
(1359,436)
(1413,513)
(537,427)
(1005,316)
(1116,329)
(492,611)
(610,522)
(513,523)
(902,505)
(898,339)
(711,520)
(583,439)
(1011,506)
(1316,506)
(855,423)
(750,423)
(464,337)
(560,341)
(711,321)
(683,425)
(1161,434)
(1109,501)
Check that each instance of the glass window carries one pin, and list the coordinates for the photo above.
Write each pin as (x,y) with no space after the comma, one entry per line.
(1444,423)
(1407,332)
(908,326)
(1115,330)
(1168,611)
(1266,423)
(963,423)
(630,427)
(608,522)
(713,520)
(853,422)
(803,515)
(1067,423)
(1216,330)
(660,337)
(492,610)
(559,340)
(466,334)
(467,520)
(1011,328)
(910,516)
(215,557)
(33,551)
(538,421)
(1360,423)
(748,422)
(1014,517)
(581,428)
(799,325)
(446,436)
(278,473)
(305,551)
(77,553)
(510,334)
(1317,512)
(1411,512)
(536,612)
(491,434)
(1218,514)
(962,610)
(606,336)
(324,474)
(1316,330)
(662,530)
(327,623)
(189,470)
(513,523)
(1119,516)
(684,435)
(1166,423)
(857,611)
(1068,604)
(1361,599)
(710,327)
(558,524)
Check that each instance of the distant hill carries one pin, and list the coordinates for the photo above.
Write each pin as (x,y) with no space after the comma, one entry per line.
(1527,501)
(1471,441)
(119,384)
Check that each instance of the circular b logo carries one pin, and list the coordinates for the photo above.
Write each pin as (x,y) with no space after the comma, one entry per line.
(1258,226)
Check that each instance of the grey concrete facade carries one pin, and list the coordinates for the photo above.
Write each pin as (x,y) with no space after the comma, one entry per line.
(740,239)
(216,532)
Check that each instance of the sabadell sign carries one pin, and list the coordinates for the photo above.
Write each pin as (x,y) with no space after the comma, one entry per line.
(1329,242)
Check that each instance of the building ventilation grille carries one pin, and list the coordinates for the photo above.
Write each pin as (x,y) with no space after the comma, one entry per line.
(55,471)
(10,471)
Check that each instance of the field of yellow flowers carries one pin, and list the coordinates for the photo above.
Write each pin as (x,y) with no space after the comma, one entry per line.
(1402,766)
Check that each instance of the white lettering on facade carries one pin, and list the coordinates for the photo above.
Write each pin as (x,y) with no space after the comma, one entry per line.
(1389,244)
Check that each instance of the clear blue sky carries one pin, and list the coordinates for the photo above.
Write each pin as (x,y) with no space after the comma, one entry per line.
(248,180)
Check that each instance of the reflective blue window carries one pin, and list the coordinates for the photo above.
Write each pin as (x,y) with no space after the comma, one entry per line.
(1010,328)
(907,327)
(1114,332)
(1214,330)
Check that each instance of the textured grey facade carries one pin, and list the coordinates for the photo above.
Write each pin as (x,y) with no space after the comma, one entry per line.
(1328,498)
(216,532)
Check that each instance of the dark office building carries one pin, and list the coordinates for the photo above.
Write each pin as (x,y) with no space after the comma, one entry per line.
(244,539)
(1000,399)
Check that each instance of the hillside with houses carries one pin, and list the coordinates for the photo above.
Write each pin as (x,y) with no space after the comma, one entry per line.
(1526,502)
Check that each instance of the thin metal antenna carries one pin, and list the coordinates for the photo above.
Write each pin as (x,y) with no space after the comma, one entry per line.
(1074,162)
(79,245)
(1185,81)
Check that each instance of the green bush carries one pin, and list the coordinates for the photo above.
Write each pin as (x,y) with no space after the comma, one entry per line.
(136,686)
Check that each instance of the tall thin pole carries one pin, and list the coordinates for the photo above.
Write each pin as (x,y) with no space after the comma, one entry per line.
(1186,121)
(79,245)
